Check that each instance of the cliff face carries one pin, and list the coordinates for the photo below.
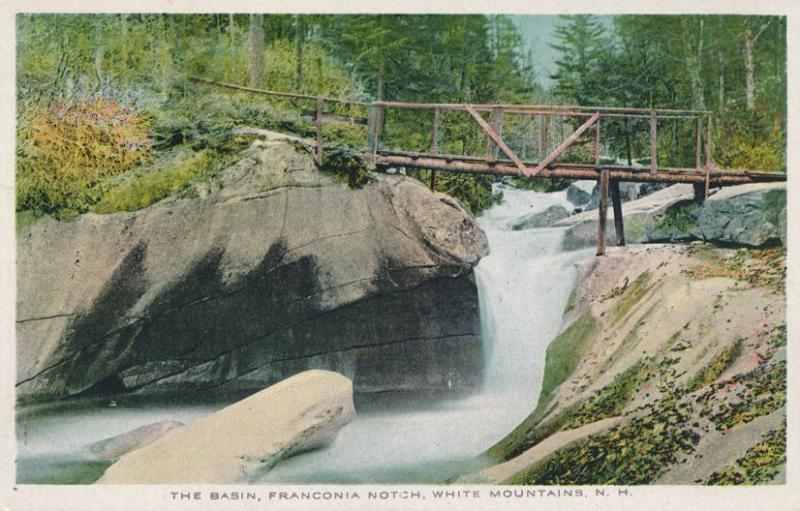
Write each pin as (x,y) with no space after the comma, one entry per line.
(671,369)
(271,270)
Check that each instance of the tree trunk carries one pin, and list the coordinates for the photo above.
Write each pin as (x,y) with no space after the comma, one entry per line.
(750,85)
(380,81)
(299,42)
(231,26)
(694,55)
(255,63)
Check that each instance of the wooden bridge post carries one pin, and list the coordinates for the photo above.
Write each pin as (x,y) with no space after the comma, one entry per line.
(596,146)
(436,142)
(373,133)
(543,125)
(653,142)
(318,125)
(496,122)
(698,163)
(603,213)
(616,202)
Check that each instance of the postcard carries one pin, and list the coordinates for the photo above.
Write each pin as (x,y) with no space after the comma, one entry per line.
(429,256)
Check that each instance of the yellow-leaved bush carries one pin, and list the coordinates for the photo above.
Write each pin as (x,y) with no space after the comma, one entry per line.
(67,150)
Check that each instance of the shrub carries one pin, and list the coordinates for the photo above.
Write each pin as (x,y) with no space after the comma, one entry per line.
(66,149)
(170,175)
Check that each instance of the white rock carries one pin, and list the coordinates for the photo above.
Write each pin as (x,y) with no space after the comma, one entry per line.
(116,446)
(243,441)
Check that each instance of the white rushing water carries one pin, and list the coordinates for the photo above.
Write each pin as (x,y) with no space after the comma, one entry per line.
(523,286)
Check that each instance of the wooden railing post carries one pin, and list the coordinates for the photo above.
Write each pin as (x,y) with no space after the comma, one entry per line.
(436,141)
(596,146)
(698,163)
(496,122)
(543,122)
(603,213)
(653,142)
(373,133)
(318,125)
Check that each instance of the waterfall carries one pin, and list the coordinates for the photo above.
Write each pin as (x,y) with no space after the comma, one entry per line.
(523,287)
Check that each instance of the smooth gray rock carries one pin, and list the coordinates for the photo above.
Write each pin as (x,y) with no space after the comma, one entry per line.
(627,192)
(747,215)
(752,215)
(580,192)
(544,218)
(279,270)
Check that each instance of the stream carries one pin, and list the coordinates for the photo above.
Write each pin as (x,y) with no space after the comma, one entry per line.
(523,287)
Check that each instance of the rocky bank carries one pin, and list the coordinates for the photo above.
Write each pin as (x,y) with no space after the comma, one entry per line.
(747,215)
(670,369)
(272,269)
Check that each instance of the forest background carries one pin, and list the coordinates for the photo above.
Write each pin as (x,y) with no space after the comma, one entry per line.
(108,119)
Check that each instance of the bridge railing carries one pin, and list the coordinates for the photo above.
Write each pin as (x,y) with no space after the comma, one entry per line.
(501,155)
(555,131)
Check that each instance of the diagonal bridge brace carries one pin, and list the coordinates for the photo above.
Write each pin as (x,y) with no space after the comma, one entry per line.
(527,172)
(565,144)
(497,140)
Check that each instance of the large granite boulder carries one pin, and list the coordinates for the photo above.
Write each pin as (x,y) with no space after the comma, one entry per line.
(752,215)
(243,441)
(746,215)
(544,218)
(580,192)
(273,269)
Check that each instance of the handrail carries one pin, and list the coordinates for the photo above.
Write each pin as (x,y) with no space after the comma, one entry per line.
(376,113)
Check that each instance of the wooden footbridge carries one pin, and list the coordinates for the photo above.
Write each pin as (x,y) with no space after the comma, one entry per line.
(500,159)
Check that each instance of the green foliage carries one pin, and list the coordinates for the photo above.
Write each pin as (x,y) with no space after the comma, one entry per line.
(711,372)
(635,452)
(631,296)
(763,392)
(347,166)
(678,219)
(684,62)
(144,60)
(67,149)
(610,400)
(759,465)
(564,353)
(765,267)
(169,176)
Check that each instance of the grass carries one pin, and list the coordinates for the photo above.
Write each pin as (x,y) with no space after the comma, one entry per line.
(611,399)
(171,175)
(632,294)
(759,267)
(759,465)
(714,370)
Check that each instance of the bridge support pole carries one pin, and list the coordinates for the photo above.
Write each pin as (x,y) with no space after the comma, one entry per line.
(603,213)
(373,133)
(699,192)
(616,202)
